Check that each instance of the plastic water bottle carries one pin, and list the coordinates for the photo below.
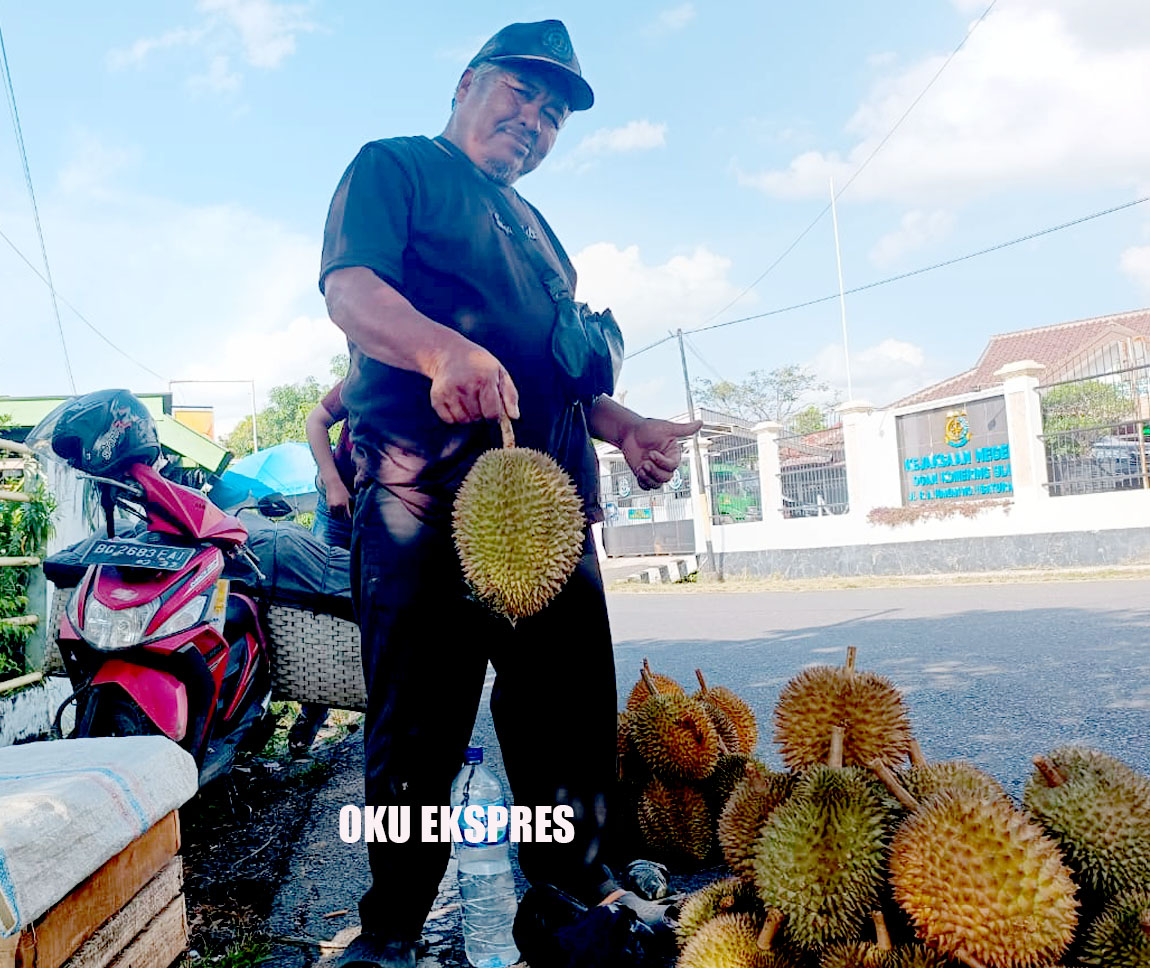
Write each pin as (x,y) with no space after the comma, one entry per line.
(486,884)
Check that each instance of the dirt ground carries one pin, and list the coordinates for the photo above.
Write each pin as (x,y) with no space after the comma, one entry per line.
(238,835)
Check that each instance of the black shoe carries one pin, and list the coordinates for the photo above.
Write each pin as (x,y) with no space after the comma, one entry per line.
(371,951)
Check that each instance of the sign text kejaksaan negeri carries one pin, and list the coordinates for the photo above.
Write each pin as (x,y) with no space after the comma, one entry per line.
(473,824)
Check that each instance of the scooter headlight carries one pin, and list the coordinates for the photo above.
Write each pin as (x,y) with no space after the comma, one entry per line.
(111,629)
(188,615)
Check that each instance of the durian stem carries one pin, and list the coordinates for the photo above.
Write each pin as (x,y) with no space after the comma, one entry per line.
(1049,771)
(881,934)
(835,760)
(880,769)
(647,680)
(917,757)
(702,681)
(505,429)
(852,651)
(770,929)
(968,959)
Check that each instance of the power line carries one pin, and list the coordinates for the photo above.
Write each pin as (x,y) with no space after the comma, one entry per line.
(858,171)
(15,114)
(80,315)
(923,269)
(699,356)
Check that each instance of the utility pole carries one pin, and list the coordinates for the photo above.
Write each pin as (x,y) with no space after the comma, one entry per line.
(701,492)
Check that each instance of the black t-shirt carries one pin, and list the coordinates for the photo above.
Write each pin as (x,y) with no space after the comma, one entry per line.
(419,214)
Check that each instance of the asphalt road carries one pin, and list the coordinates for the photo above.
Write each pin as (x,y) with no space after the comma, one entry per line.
(992,673)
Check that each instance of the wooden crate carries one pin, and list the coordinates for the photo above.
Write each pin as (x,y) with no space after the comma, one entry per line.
(103,898)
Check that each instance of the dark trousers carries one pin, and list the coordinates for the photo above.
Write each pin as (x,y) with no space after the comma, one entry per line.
(426,645)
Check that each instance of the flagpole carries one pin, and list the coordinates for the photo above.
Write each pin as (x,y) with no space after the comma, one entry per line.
(842,291)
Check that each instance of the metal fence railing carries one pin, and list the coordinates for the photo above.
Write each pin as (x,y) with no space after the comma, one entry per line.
(1095,422)
(813,473)
(735,489)
(626,503)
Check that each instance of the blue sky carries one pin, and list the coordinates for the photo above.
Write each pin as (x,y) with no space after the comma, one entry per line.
(184,153)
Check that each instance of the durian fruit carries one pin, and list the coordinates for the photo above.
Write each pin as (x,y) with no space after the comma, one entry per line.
(675,737)
(860,954)
(731,895)
(724,705)
(1120,937)
(630,763)
(731,941)
(819,858)
(979,879)
(923,782)
(917,956)
(519,528)
(730,770)
(867,705)
(1099,816)
(748,807)
(641,692)
(674,821)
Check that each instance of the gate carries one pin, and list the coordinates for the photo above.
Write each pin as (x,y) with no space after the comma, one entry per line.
(638,522)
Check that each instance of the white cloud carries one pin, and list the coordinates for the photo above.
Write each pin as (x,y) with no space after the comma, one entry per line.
(880,374)
(1135,263)
(641,135)
(648,300)
(260,33)
(674,18)
(191,291)
(632,136)
(916,229)
(1046,92)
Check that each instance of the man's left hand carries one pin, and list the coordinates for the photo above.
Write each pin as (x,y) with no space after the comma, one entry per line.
(652,449)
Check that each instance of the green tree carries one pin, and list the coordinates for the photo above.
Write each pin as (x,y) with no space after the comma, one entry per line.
(284,416)
(1075,415)
(764,395)
(808,421)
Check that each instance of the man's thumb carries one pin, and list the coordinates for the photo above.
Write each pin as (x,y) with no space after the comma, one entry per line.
(687,429)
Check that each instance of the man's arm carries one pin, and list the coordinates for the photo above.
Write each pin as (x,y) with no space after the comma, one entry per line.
(467,382)
(317,424)
(650,447)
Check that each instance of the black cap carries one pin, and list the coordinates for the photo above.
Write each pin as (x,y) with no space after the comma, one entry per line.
(545,43)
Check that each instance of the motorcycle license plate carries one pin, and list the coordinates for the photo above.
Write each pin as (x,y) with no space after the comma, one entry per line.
(136,554)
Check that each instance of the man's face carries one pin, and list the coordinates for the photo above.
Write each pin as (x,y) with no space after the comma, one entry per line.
(506,120)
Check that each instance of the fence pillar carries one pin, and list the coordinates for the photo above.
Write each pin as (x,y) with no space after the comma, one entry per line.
(700,492)
(770,484)
(1024,429)
(858,453)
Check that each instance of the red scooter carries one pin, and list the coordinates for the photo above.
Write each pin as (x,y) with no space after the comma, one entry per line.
(153,638)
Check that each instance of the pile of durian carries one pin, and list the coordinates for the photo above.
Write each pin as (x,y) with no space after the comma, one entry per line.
(856,858)
(680,758)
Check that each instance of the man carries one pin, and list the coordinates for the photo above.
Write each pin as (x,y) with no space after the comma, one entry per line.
(332,524)
(427,269)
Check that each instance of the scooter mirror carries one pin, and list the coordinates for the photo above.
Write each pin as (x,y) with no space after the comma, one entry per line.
(274,505)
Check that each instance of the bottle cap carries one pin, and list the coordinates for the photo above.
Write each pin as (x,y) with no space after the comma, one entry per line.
(473,755)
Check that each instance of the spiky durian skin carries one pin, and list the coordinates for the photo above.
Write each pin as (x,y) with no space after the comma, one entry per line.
(1120,937)
(732,895)
(916,956)
(857,955)
(1100,818)
(728,773)
(676,738)
(738,714)
(976,875)
(730,941)
(819,858)
(640,693)
(674,821)
(728,734)
(748,807)
(923,782)
(867,705)
(519,529)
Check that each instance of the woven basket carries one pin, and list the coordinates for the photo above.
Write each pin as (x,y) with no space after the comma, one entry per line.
(315,657)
